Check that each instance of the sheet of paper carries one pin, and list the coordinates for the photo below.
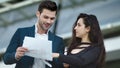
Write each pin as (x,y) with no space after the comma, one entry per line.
(38,48)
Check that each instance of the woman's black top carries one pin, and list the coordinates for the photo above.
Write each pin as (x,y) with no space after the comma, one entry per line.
(86,58)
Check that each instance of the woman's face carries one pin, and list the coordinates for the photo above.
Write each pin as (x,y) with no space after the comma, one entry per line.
(80,29)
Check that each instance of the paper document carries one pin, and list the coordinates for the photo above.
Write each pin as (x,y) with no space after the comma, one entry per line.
(38,48)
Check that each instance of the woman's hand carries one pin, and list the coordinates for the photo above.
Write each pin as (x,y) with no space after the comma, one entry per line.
(55,55)
(66,65)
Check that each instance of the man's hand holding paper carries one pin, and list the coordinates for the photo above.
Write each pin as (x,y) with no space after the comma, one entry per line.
(38,48)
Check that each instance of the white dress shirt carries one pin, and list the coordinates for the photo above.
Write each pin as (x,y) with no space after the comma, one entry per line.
(39,63)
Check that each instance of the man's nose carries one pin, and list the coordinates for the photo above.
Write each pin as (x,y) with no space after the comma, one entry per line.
(49,21)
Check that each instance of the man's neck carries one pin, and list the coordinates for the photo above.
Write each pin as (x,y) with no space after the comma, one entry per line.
(40,31)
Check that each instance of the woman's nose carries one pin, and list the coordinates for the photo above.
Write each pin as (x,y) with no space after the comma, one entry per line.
(75,28)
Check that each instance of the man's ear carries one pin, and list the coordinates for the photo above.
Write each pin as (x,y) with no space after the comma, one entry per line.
(37,13)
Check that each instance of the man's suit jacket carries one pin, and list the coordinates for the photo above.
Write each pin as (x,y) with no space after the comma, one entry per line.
(26,61)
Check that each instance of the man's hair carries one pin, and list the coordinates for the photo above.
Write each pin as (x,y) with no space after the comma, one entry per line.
(50,5)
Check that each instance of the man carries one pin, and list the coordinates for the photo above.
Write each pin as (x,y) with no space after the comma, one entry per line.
(15,52)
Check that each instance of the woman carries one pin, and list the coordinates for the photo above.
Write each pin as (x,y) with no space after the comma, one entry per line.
(87,47)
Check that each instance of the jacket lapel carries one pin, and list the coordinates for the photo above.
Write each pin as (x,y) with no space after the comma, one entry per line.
(50,36)
(32,31)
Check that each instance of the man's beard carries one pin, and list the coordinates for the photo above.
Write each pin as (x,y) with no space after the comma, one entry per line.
(42,26)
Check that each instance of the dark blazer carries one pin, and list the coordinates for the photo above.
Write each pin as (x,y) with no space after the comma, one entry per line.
(26,61)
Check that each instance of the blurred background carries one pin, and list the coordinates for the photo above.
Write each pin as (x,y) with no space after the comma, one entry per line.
(21,13)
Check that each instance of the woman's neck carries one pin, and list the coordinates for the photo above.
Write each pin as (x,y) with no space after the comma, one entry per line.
(86,39)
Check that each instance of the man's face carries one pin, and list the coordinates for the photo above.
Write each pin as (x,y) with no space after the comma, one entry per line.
(46,18)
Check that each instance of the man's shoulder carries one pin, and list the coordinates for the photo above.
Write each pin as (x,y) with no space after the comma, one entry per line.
(56,36)
(26,28)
